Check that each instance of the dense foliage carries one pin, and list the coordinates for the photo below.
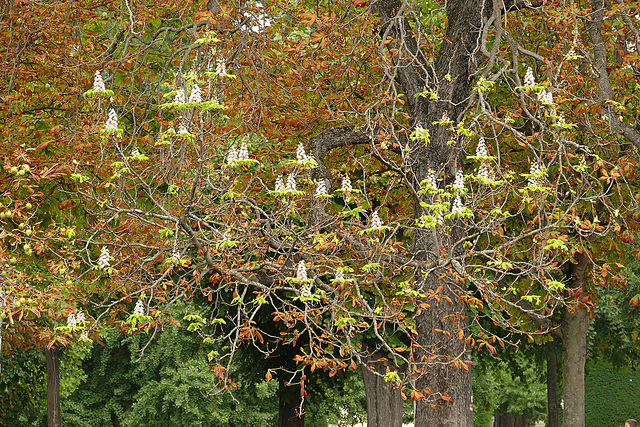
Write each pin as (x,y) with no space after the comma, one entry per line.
(337,181)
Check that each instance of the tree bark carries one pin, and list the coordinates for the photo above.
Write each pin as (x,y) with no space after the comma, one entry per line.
(552,390)
(53,387)
(289,414)
(574,345)
(384,402)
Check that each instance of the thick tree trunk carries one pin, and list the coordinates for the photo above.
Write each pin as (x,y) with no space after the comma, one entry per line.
(552,390)
(384,402)
(53,387)
(290,402)
(575,324)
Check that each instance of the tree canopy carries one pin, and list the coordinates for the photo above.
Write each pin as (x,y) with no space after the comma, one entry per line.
(338,181)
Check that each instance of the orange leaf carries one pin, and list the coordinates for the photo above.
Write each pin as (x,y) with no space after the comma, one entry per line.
(416,395)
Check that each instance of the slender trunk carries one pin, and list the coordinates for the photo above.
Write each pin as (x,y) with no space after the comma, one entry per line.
(289,412)
(552,390)
(574,354)
(575,325)
(53,387)
(384,402)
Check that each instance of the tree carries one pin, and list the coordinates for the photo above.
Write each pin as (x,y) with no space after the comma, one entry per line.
(179,174)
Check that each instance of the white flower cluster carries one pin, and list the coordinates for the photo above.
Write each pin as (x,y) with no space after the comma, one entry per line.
(74,320)
(175,255)
(291,183)
(376,222)
(71,320)
(431,180)
(301,272)
(445,117)
(484,171)
(232,155)
(305,291)
(421,132)
(321,189)
(340,275)
(243,153)
(561,120)
(279,184)
(458,183)
(103,260)
(98,83)
(301,155)
(221,67)
(182,129)
(135,152)
(346,186)
(196,94)
(534,180)
(545,97)
(235,155)
(481,149)
(112,120)
(138,310)
(529,79)
(180,96)
(457,205)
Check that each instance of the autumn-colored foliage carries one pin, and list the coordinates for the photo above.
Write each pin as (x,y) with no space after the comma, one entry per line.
(318,176)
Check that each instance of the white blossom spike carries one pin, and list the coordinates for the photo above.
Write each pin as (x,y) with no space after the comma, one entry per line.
(301,156)
(84,335)
(279,184)
(139,308)
(180,96)
(529,79)
(458,183)
(243,153)
(291,183)
(80,317)
(71,321)
(112,120)
(221,67)
(545,97)
(98,83)
(445,117)
(340,275)
(104,259)
(431,180)
(305,291)
(232,156)
(481,149)
(346,186)
(457,207)
(376,222)
(534,170)
(484,172)
(421,132)
(321,189)
(196,94)
(301,272)
(182,129)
